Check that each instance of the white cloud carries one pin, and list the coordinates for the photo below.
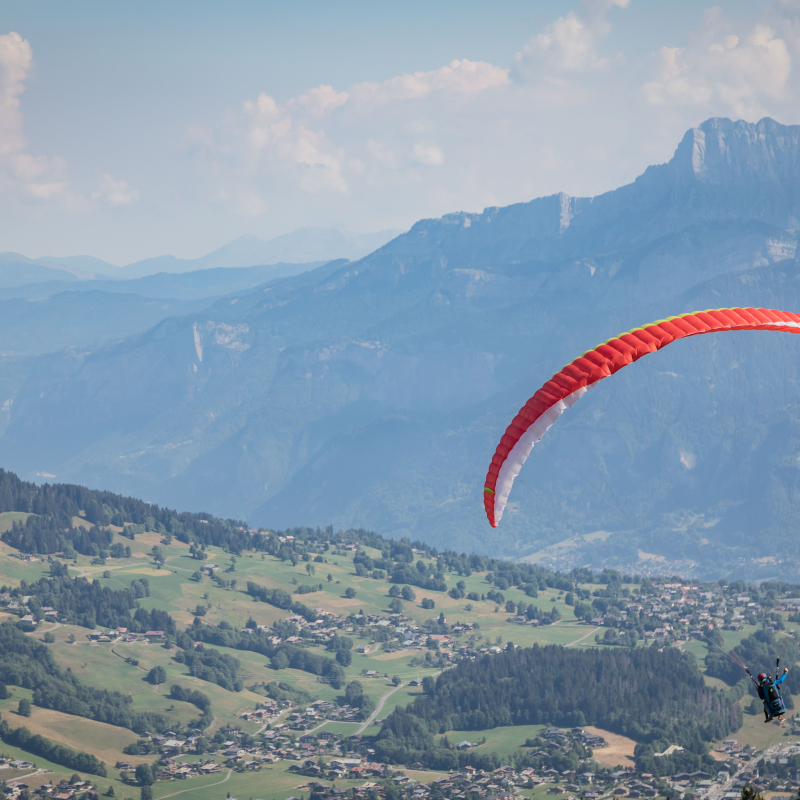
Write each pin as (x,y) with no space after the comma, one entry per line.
(464,77)
(718,70)
(428,154)
(115,193)
(16,58)
(569,45)
(301,146)
(320,100)
(278,143)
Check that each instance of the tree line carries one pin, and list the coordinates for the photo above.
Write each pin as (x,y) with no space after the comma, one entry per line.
(280,599)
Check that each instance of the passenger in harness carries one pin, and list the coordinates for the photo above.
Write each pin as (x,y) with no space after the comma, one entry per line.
(770,694)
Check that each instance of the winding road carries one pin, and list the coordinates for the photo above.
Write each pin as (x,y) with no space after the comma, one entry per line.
(378,709)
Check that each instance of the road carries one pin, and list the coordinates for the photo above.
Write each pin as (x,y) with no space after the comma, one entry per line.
(586,636)
(377,710)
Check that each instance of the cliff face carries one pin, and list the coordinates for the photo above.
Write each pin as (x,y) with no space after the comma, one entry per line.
(373,393)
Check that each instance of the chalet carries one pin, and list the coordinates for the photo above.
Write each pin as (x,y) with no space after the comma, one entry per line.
(154,635)
(364,649)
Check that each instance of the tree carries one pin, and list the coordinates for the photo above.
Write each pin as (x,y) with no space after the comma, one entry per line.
(144,775)
(350,592)
(751,793)
(3,691)
(396,607)
(49,637)
(394,590)
(408,593)
(354,692)
(428,603)
(157,676)
(146,793)
(396,680)
(310,568)
(344,658)
(280,660)
(24,707)
(201,745)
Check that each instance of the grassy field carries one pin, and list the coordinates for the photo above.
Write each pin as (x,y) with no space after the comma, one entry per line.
(8,518)
(758,734)
(503,741)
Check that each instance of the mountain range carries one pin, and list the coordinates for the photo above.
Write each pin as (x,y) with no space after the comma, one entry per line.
(372,393)
(303,246)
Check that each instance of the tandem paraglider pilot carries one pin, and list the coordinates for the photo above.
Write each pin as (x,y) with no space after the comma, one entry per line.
(770,693)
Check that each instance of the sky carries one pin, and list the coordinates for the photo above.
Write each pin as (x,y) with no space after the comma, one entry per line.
(131,130)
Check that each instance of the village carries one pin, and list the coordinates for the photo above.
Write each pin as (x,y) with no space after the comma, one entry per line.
(321,760)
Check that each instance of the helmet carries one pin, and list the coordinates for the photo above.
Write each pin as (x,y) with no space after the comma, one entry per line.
(762,677)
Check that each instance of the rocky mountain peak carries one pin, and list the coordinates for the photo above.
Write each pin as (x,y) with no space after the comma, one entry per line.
(726,151)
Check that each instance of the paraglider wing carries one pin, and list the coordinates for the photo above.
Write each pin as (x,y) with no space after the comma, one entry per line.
(572,382)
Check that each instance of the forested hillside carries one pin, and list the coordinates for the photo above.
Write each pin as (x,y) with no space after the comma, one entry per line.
(654,697)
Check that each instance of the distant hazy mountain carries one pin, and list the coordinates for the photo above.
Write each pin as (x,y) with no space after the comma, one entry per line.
(206,283)
(17,270)
(373,393)
(83,265)
(303,245)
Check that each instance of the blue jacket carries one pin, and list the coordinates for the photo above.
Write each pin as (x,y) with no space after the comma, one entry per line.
(770,694)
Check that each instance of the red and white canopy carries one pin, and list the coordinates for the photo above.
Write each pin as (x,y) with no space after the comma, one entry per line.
(572,382)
